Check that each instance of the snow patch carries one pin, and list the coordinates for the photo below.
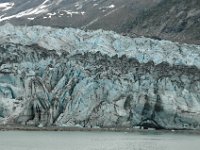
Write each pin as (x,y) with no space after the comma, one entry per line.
(42,8)
(111,6)
(30,18)
(51,14)
(2,16)
(107,7)
(71,13)
(6,6)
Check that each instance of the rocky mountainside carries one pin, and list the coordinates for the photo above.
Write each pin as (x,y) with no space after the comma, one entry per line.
(174,20)
(69,77)
(177,20)
(85,14)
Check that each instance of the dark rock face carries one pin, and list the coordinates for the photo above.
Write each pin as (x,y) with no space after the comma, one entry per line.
(39,87)
(176,20)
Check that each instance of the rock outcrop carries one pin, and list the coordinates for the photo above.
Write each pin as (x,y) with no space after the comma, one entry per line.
(68,77)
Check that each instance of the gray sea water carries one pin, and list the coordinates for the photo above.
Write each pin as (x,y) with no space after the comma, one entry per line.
(47,140)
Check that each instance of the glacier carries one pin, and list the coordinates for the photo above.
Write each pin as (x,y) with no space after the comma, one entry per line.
(96,79)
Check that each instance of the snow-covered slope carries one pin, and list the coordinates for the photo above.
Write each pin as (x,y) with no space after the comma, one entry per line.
(93,14)
(69,77)
(28,8)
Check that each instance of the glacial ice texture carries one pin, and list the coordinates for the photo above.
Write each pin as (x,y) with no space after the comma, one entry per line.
(69,77)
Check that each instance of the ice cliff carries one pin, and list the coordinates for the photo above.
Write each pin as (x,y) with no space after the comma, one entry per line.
(69,77)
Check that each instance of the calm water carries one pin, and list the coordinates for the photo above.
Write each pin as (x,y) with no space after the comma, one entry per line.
(33,140)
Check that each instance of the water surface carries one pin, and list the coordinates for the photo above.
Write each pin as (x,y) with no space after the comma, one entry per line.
(49,140)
